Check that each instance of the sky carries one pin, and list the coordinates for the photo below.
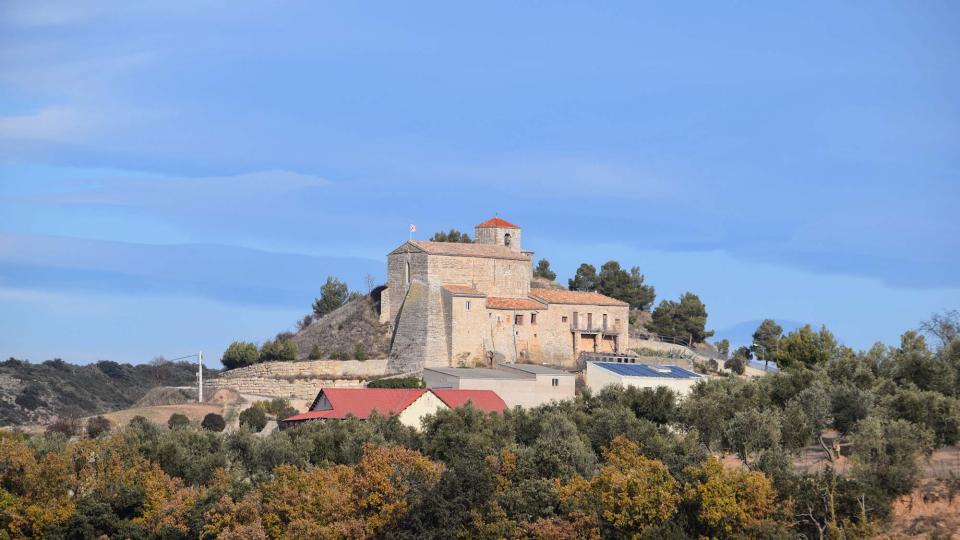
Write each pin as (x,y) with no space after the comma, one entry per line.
(176,176)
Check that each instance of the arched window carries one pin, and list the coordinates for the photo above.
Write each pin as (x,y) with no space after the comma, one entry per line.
(408,273)
(506,239)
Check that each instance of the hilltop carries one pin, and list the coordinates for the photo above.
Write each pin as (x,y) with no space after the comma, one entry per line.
(37,393)
(352,325)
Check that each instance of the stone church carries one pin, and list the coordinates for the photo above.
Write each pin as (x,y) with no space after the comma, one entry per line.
(457,304)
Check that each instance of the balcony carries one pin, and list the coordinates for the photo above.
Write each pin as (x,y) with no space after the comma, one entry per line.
(594,329)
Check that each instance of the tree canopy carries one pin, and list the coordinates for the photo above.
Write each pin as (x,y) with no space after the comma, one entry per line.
(686,319)
(333,294)
(615,282)
(543,270)
(453,235)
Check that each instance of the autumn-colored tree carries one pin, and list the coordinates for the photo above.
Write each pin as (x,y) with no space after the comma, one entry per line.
(726,502)
(166,503)
(633,492)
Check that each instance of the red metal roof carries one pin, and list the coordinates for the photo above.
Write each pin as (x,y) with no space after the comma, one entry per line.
(495,223)
(360,402)
(485,400)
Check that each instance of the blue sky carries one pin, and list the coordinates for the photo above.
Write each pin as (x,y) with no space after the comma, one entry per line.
(174,177)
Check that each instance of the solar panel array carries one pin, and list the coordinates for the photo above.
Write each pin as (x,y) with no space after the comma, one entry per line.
(645,370)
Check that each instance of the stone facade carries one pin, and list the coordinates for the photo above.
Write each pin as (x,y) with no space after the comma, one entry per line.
(455,304)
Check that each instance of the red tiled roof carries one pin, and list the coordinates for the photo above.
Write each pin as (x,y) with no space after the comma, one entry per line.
(552,296)
(491,251)
(484,400)
(360,402)
(462,290)
(497,302)
(497,223)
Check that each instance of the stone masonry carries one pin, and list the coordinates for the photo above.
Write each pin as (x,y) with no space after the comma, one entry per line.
(455,304)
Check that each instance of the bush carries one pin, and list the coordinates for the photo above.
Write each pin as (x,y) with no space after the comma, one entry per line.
(213,422)
(177,421)
(254,419)
(359,353)
(240,354)
(315,353)
(278,350)
(97,426)
(339,355)
(399,382)
(67,424)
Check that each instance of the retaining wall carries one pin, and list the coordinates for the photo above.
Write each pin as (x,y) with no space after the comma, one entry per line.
(296,380)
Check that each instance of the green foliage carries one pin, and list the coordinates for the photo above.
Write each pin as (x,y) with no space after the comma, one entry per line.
(543,270)
(315,353)
(585,279)
(805,347)
(240,354)
(254,419)
(723,347)
(616,282)
(885,454)
(686,319)
(213,422)
(937,413)
(751,431)
(278,350)
(97,426)
(359,352)
(766,339)
(333,294)
(339,355)
(398,382)
(178,421)
(453,235)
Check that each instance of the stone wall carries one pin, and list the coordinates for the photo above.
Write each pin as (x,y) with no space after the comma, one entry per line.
(491,276)
(296,380)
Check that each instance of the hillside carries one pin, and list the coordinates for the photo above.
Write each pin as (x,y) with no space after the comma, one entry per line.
(342,330)
(37,393)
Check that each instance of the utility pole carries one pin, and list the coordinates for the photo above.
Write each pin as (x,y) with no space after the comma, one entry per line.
(200,376)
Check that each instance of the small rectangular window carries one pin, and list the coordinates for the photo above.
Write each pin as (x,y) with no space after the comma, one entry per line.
(555,382)
(466,305)
(533,318)
(518,320)
(563,319)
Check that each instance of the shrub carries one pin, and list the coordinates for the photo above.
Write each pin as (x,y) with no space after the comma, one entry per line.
(339,355)
(68,423)
(213,422)
(240,354)
(253,419)
(399,382)
(315,353)
(278,350)
(359,353)
(96,426)
(178,420)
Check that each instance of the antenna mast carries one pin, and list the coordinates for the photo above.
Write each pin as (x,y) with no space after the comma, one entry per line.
(200,376)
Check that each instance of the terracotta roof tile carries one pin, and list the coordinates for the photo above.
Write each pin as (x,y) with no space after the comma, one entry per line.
(462,290)
(551,296)
(484,400)
(496,302)
(469,250)
(497,223)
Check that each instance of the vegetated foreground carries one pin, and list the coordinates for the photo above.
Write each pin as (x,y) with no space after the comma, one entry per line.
(623,463)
